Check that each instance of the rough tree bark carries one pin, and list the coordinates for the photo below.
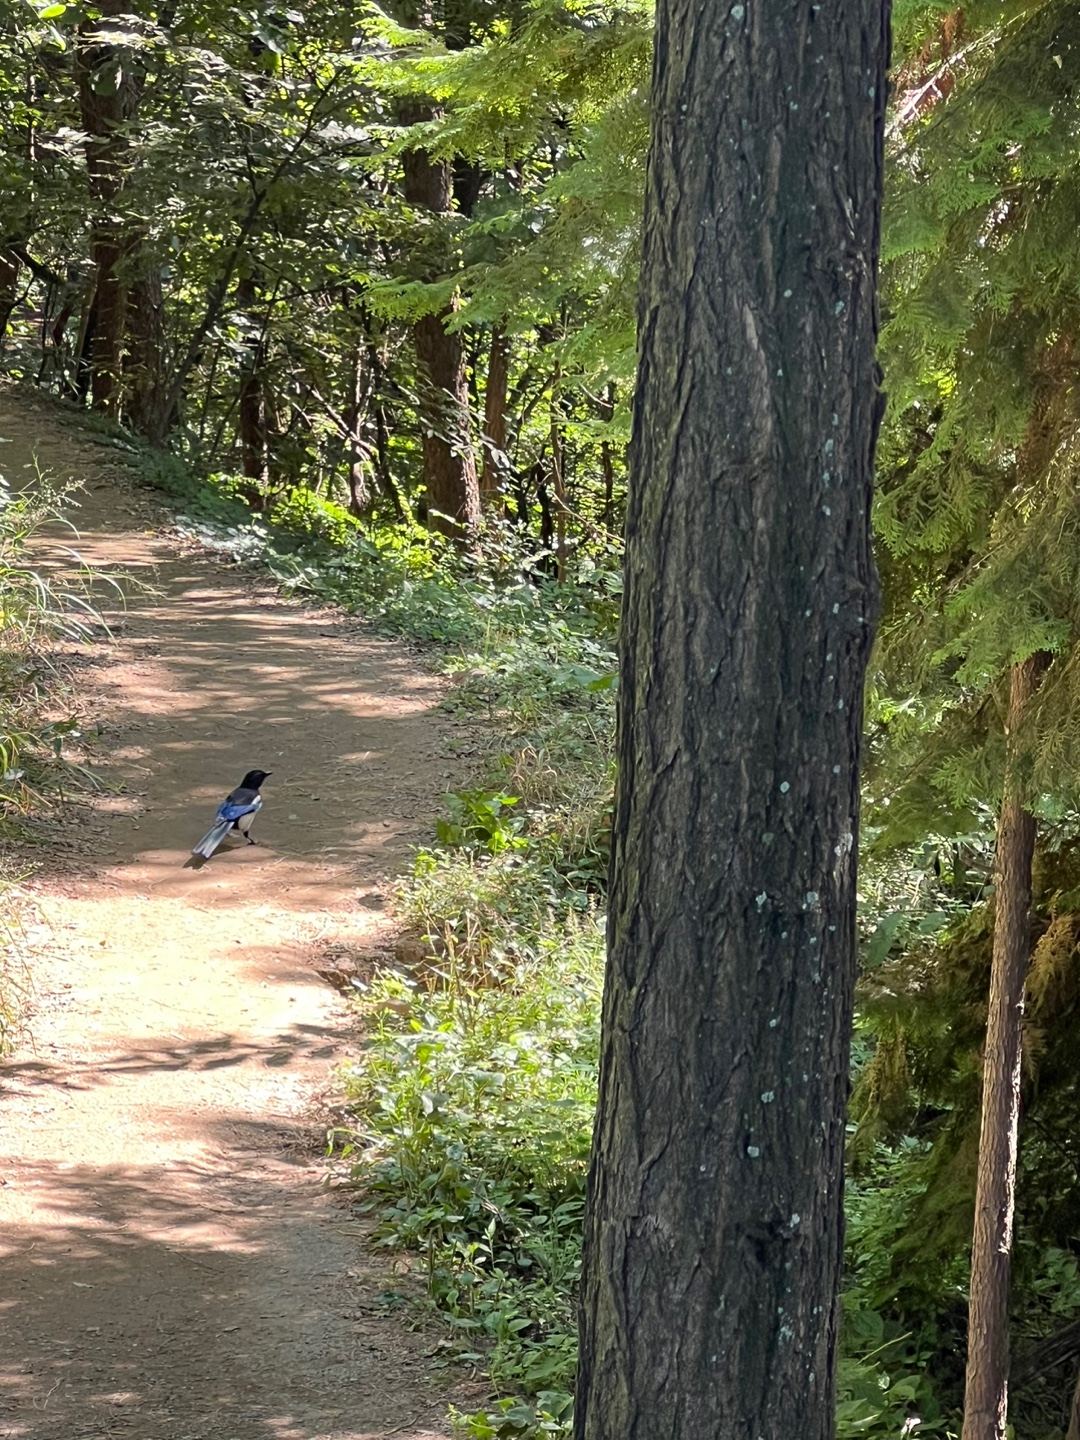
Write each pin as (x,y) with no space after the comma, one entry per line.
(108,97)
(714,1225)
(986,1397)
(495,402)
(449,464)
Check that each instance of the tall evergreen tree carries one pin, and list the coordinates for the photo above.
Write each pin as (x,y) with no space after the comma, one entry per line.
(713,1232)
(978,512)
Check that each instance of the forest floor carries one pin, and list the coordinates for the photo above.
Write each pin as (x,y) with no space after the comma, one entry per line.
(174,1266)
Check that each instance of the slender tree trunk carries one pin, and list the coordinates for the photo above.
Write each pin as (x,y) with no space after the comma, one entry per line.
(986,1399)
(10,269)
(547,514)
(383,471)
(558,479)
(453,488)
(495,402)
(252,404)
(607,461)
(146,351)
(714,1224)
(84,341)
(359,496)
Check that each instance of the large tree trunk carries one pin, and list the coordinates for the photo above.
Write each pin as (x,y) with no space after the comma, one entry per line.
(986,1399)
(453,490)
(108,96)
(110,303)
(495,401)
(714,1225)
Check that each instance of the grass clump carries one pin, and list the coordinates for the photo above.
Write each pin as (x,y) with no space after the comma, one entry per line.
(15,977)
(38,611)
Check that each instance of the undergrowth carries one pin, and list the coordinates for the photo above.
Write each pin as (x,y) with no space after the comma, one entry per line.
(38,610)
(474,1105)
(475,1098)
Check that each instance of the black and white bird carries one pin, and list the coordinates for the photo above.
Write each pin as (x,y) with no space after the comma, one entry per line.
(236,812)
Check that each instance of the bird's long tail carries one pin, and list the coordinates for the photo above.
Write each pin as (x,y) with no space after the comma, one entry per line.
(212,839)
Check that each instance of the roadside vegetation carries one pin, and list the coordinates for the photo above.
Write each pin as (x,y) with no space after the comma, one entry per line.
(38,612)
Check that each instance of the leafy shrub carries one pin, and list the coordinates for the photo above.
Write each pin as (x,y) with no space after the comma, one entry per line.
(481,819)
(474,1107)
(303,513)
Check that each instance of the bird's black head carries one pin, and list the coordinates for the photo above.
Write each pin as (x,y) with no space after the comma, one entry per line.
(254,778)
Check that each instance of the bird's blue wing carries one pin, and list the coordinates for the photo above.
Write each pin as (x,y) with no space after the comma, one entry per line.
(239,805)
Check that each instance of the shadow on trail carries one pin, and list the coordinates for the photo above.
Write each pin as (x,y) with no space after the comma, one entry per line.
(298,1042)
(223,677)
(161,1272)
(170,1268)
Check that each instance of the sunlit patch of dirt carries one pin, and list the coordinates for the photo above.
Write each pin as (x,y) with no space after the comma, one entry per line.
(174,1268)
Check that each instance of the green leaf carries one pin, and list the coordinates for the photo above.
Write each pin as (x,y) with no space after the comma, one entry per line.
(882,940)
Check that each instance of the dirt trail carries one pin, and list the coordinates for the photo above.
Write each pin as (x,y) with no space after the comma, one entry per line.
(171,1268)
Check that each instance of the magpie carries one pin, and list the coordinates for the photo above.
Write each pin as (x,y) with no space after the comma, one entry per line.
(236,812)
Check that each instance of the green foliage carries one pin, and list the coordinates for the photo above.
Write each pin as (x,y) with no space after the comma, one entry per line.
(481,819)
(210,499)
(273,268)
(474,1110)
(302,513)
(976,507)
(977,515)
